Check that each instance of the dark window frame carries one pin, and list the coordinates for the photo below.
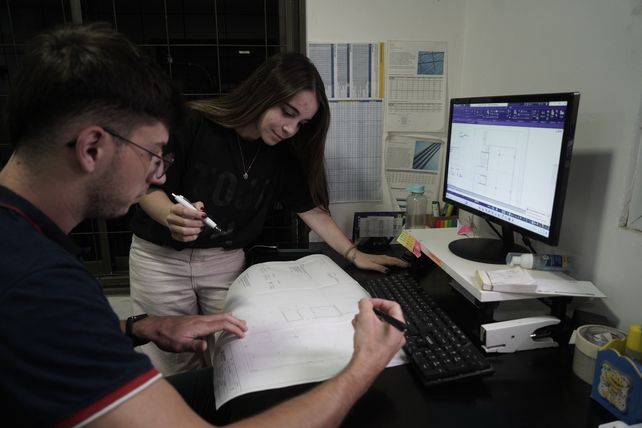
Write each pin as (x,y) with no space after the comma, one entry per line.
(206,60)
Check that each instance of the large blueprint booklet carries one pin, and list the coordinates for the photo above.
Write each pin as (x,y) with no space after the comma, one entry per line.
(299,317)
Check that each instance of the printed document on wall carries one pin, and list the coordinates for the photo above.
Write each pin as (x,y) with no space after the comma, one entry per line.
(353,78)
(353,150)
(349,70)
(416,86)
(413,159)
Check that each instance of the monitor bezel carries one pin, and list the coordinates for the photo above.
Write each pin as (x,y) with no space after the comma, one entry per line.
(568,136)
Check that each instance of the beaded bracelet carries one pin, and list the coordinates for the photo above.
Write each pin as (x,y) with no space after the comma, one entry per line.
(347,254)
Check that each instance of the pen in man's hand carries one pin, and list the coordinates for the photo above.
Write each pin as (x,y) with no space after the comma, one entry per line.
(401,326)
(187,204)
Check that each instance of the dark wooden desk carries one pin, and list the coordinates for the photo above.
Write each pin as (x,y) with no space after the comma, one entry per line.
(528,389)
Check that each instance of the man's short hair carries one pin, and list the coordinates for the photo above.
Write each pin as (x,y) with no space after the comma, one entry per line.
(75,70)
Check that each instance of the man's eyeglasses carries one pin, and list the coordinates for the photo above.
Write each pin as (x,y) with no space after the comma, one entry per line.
(161,167)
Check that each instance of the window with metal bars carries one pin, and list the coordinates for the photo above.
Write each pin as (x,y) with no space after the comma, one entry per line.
(207,47)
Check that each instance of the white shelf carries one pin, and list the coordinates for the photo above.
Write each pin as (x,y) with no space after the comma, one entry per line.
(434,244)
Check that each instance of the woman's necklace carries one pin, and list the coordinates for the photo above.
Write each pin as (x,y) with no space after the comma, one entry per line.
(246,171)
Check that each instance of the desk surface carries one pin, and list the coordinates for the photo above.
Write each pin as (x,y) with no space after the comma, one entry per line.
(434,243)
(528,389)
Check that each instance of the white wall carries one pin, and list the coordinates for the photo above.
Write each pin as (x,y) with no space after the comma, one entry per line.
(379,21)
(594,47)
(521,46)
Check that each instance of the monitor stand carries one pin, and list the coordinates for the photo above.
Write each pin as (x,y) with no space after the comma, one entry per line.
(487,250)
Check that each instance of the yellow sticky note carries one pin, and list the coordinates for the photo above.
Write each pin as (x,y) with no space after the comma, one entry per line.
(406,240)
(409,243)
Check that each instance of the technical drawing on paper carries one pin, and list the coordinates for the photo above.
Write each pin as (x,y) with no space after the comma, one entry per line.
(299,326)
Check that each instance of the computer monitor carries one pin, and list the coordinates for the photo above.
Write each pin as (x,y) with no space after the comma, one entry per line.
(507,160)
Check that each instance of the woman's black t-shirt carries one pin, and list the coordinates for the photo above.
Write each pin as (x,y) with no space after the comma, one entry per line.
(209,167)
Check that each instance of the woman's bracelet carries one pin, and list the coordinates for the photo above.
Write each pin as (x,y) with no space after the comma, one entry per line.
(347,256)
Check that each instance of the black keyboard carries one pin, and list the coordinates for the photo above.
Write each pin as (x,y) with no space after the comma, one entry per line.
(435,346)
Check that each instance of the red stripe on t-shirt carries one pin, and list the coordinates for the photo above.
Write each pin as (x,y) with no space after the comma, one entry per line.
(104,402)
(24,216)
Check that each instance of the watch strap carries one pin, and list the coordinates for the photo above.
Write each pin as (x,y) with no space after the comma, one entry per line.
(129,330)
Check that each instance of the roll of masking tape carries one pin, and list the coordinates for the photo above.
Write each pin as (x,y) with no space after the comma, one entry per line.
(588,340)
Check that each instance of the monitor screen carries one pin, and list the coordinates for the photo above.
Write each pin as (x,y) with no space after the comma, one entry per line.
(507,160)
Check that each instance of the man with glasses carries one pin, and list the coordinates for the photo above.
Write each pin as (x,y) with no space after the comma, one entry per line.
(88,116)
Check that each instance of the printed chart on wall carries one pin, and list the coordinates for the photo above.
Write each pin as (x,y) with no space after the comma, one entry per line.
(352,75)
(413,159)
(349,70)
(353,150)
(416,86)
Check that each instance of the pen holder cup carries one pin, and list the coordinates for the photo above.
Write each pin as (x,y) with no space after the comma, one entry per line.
(617,383)
(441,221)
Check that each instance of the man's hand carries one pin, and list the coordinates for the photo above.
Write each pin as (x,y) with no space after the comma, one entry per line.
(185,333)
(376,341)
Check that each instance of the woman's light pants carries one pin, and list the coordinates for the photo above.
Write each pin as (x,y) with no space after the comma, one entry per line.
(164,281)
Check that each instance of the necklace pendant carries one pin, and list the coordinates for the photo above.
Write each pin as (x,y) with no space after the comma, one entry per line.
(245,171)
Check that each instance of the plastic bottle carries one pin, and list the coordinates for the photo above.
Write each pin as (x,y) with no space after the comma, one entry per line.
(538,261)
(416,207)
(435,209)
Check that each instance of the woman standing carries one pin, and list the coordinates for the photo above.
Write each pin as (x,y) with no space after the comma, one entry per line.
(234,157)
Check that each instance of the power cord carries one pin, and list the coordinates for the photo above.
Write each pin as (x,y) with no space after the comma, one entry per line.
(525,239)
(527,242)
(494,230)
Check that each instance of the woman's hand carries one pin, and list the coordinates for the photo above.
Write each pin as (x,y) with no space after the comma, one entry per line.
(377,262)
(185,224)
(320,221)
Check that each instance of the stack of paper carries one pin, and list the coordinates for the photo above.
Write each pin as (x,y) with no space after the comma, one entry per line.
(513,280)
(519,280)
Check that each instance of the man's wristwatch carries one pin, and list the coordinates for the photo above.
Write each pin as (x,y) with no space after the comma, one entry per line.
(129,326)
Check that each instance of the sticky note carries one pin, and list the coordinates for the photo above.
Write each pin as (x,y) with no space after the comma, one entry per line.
(409,243)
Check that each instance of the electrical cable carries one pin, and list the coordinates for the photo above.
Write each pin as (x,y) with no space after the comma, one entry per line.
(525,239)
(527,242)
(494,230)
